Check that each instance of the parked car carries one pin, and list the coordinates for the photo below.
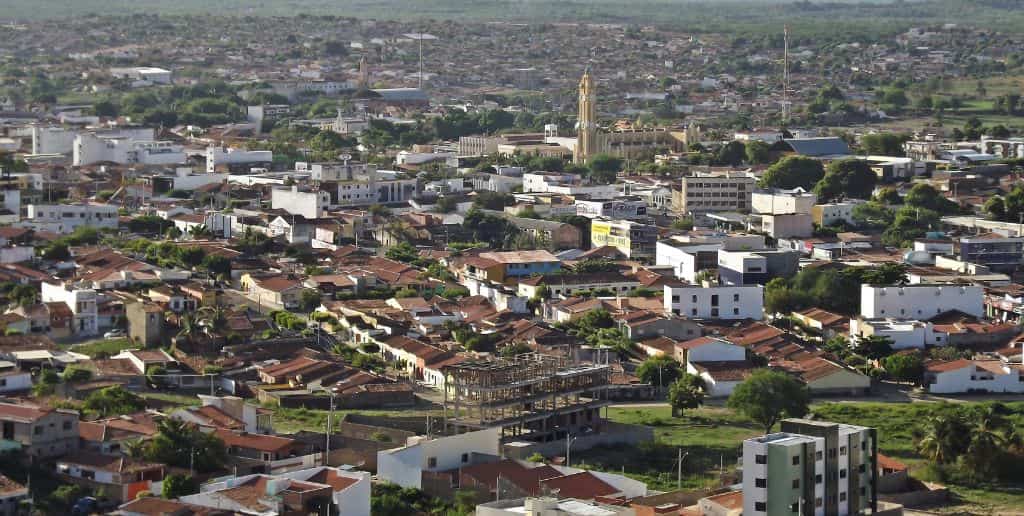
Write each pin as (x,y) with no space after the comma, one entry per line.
(114,334)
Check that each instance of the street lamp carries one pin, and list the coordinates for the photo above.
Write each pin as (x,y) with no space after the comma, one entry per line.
(327,433)
(568,444)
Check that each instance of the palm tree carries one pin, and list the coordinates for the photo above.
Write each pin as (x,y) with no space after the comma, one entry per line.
(212,318)
(188,327)
(937,440)
(134,448)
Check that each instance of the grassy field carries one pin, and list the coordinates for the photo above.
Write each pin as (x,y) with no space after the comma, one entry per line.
(289,420)
(104,346)
(713,436)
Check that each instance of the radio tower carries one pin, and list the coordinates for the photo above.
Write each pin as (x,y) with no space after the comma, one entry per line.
(785,74)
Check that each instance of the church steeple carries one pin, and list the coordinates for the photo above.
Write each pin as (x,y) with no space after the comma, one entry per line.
(364,74)
(586,133)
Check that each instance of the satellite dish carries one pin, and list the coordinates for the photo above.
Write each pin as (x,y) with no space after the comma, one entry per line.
(344,157)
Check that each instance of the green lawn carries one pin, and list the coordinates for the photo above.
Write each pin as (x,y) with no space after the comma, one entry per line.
(105,346)
(710,436)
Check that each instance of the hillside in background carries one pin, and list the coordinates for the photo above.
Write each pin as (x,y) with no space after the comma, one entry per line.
(697,15)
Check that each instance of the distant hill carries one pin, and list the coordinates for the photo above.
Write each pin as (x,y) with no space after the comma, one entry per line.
(696,15)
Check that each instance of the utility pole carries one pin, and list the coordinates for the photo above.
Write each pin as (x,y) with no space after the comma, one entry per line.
(679,472)
(785,74)
(327,434)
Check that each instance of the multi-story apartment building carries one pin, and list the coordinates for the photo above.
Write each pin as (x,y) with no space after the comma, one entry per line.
(715,301)
(65,218)
(811,468)
(1000,253)
(39,432)
(309,204)
(711,192)
(919,301)
(781,202)
(236,159)
(632,239)
(92,148)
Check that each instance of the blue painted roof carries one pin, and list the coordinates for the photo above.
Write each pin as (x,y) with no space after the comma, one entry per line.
(829,146)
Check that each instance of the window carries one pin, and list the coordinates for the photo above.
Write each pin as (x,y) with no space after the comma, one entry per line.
(760,506)
(735,311)
(818,502)
(794,507)
(796,483)
(842,450)
(796,460)
(818,479)
(432,462)
(67,425)
(818,455)
(761,482)
(760,459)
(693,311)
(714,300)
(842,497)
(861,468)
(714,312)
(694,298)
(465,458)
(842,473)
(675,299)
(736,298)
(37,430)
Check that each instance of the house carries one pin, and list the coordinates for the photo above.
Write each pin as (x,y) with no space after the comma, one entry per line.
(109,436)
(517,264)
(149,505)
(420,457)
(39,432)
(144,359)
(567,285)
(264,495)
(824,377)
(973,376)
(258,447)
(708,349)
(145,323)
(919,301)
(273,290)
(228,412)
(822,321)
(645,324)
(721,377)
(122,478)
(12,495)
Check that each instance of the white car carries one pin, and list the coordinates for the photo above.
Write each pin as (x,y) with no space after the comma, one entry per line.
(114,334)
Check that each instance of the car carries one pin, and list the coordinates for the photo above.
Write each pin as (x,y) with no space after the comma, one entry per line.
(114,334)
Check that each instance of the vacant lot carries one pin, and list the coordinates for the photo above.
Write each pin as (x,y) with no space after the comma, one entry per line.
(711,441)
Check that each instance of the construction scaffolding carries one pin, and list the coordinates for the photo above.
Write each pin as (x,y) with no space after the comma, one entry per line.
(531,397)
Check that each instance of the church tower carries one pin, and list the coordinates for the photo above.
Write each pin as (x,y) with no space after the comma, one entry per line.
(364,74)
(586,133)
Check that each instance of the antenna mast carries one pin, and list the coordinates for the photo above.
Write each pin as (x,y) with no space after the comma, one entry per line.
(785,74)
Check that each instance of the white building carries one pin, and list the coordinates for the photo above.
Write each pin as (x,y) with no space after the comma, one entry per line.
(232,157)
(790,225)
(620,208)
(835,212)
(53,140)
(963,376)
(715,301)
(905,333)
(65,218)
(405,465)
(919,301)
(782,202)
(81,301)
(297,202)
(143,74)
(91,148)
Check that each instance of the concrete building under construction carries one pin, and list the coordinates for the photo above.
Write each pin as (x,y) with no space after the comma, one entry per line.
(531,397)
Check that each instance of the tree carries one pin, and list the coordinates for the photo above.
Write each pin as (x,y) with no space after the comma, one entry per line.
(793,172)
(905,367)
(309,299)
(872,215)
(924,195)
(883,144)
(216,264)
(686,393)
(114,400)
(888,196)
(758,152)
(604,168)
(175,486)
(76,374)
(731,153)
(182,444)
(767,396)
(595,265)
(660,371)
(846,178)
(943,437)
